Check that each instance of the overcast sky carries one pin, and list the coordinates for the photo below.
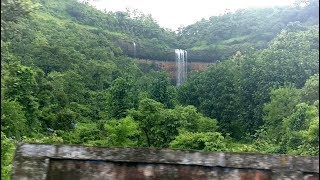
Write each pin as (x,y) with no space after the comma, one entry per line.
(174,13)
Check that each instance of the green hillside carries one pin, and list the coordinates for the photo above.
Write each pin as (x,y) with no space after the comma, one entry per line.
(245,30)
(211,40)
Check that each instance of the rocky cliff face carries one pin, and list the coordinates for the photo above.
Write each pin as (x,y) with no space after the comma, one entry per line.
(170,66)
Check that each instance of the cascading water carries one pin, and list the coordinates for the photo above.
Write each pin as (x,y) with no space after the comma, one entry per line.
(181,66)
(134,49)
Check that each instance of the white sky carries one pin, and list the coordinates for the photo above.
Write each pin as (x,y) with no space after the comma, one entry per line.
(174,13)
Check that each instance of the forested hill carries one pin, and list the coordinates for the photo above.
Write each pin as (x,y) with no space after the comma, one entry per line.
(83,28)
(219,37)
(122,28)
(113,34)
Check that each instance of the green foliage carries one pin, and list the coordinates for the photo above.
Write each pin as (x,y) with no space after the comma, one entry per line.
(291,122)
(12,11)
(161,91)
(68,83)
(160,125)
(239,147)
(209,141)
(7,153)
(219,37)
(13,120)
(265,143)
(83,133)
(206,124)
(235,91)
(121,97)
(282,104)
(193,121)
(157,86)
(64,119)
(216,94)
(150,119)
(21,86)
(300,136)
(310,91)
(50,139)
(123,132)
(153,42)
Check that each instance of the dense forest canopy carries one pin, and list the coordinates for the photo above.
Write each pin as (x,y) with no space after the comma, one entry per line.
(69,75)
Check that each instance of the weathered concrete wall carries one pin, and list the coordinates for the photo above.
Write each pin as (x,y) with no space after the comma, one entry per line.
(62,162)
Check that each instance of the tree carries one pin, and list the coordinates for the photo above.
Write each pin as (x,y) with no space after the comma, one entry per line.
(149,118)
(21,86)
(121,98)
(122,133)
(64,120)
(217,94)
(87,133)
(158,87)
(193,121)
(310,91)
(161,91)
(282,104)
(13,120)
(300,131)
(291,121)
(160,125)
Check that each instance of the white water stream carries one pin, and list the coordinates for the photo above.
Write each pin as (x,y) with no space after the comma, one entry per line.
(181,66)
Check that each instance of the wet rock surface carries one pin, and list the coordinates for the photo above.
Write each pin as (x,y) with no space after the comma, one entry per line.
(40,161)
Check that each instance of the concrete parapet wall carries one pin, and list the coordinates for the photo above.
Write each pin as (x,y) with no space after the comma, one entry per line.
(41,161)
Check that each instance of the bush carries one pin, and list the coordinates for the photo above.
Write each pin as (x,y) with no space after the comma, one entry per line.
(7,154)
(209,141)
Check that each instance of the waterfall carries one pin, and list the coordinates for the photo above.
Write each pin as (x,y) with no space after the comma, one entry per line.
(134,49)
(181,66)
